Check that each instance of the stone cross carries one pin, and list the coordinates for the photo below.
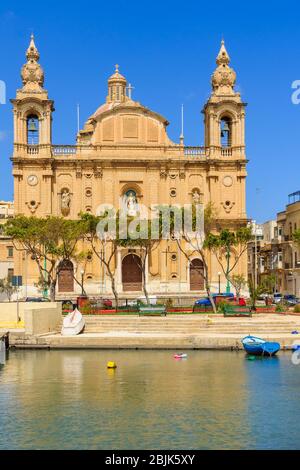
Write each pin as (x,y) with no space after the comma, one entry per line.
(130,88)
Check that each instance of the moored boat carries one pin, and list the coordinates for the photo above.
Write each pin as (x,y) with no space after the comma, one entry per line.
(259,347)
(180,356)
(73,324)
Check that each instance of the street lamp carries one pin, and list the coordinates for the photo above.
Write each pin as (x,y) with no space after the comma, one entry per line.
(82,276)
(219,276)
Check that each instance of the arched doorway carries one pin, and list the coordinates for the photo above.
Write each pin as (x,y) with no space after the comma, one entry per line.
(131,273)
(196,275)
(66,276)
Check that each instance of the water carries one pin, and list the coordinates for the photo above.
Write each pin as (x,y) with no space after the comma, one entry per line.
(212,400)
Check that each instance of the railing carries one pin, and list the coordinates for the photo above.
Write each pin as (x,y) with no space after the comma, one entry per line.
(33,149)
(64,150)
(226,151)
(195,151)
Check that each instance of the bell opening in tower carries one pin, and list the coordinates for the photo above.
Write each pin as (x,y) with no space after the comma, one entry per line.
(33,130)
(226,127)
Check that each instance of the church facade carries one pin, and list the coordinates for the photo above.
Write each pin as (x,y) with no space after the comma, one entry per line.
(123,153)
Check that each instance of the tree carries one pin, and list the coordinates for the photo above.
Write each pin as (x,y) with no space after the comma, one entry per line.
(99,245)
(146,245)
(223,244)
(254,292)
(296,237)
(49,241)
(191,243)
(268,283)
(239,282)
(7,288)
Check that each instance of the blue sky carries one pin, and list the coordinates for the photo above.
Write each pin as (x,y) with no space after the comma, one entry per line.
(167,50)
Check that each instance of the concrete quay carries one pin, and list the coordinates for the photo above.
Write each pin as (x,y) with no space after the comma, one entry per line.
(171,332)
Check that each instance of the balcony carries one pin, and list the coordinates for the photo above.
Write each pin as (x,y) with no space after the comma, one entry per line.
(59,150)
(195,151)
(33,149)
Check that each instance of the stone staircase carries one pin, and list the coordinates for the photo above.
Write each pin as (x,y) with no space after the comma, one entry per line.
(171,332)
(188,324)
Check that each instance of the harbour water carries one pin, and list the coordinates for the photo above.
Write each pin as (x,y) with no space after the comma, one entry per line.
(211,400)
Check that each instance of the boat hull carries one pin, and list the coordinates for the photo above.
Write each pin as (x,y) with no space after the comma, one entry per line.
(73,324)
(259,347)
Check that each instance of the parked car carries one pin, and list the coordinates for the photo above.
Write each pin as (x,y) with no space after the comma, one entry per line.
(205,302)
(291,299)
(263,296)
(277,297)
(102,303)
(37,299)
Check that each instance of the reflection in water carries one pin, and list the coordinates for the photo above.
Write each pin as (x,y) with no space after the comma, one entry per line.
(69,399)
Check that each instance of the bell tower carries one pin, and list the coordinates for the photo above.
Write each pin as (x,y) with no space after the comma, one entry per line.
(32,110)
(32,156)
(224,113)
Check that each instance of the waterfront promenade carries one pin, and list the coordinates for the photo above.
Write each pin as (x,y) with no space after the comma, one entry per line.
(172,332)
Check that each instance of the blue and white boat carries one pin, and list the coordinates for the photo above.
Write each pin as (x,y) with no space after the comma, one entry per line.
(259,347)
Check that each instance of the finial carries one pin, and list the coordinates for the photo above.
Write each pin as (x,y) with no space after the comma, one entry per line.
(32,52)
(223,57)
(223,78)
(117,68)
(32,73)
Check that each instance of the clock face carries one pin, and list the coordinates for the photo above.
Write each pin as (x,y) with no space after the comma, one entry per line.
(32,180)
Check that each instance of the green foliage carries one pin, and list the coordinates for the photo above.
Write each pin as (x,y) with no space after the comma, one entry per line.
(296,237)
(297,308)
(7,288)
(221,307)
(49,241)
(268,283)
(279,308)
(254,292)
(239,282)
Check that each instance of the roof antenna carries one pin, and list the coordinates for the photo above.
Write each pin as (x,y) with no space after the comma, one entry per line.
(182,122)
(78,118)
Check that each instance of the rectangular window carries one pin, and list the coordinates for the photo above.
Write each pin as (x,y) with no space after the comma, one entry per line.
(10,252)
(10,274)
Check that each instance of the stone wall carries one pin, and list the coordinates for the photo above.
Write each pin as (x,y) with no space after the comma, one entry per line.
(35,317)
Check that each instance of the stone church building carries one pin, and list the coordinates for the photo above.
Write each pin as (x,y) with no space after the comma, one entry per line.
(124,153)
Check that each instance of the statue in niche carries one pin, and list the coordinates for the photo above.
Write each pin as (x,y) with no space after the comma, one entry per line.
(65,202)
(131,204)
(196,197)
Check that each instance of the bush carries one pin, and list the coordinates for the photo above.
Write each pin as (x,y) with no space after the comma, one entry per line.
(279,308)
(222,306)
(297,308)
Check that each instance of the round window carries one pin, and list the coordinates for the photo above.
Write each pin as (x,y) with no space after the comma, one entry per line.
(173,192)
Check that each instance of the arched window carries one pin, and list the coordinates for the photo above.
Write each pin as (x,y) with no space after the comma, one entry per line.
(226,132)
(33,131)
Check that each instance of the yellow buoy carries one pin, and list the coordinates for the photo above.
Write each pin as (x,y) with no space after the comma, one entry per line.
(111,365)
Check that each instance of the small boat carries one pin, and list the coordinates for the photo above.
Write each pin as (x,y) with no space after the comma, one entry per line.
(180,356)
(73,324)
(259,347)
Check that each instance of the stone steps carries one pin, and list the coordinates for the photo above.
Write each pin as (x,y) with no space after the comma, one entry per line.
(188,325)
